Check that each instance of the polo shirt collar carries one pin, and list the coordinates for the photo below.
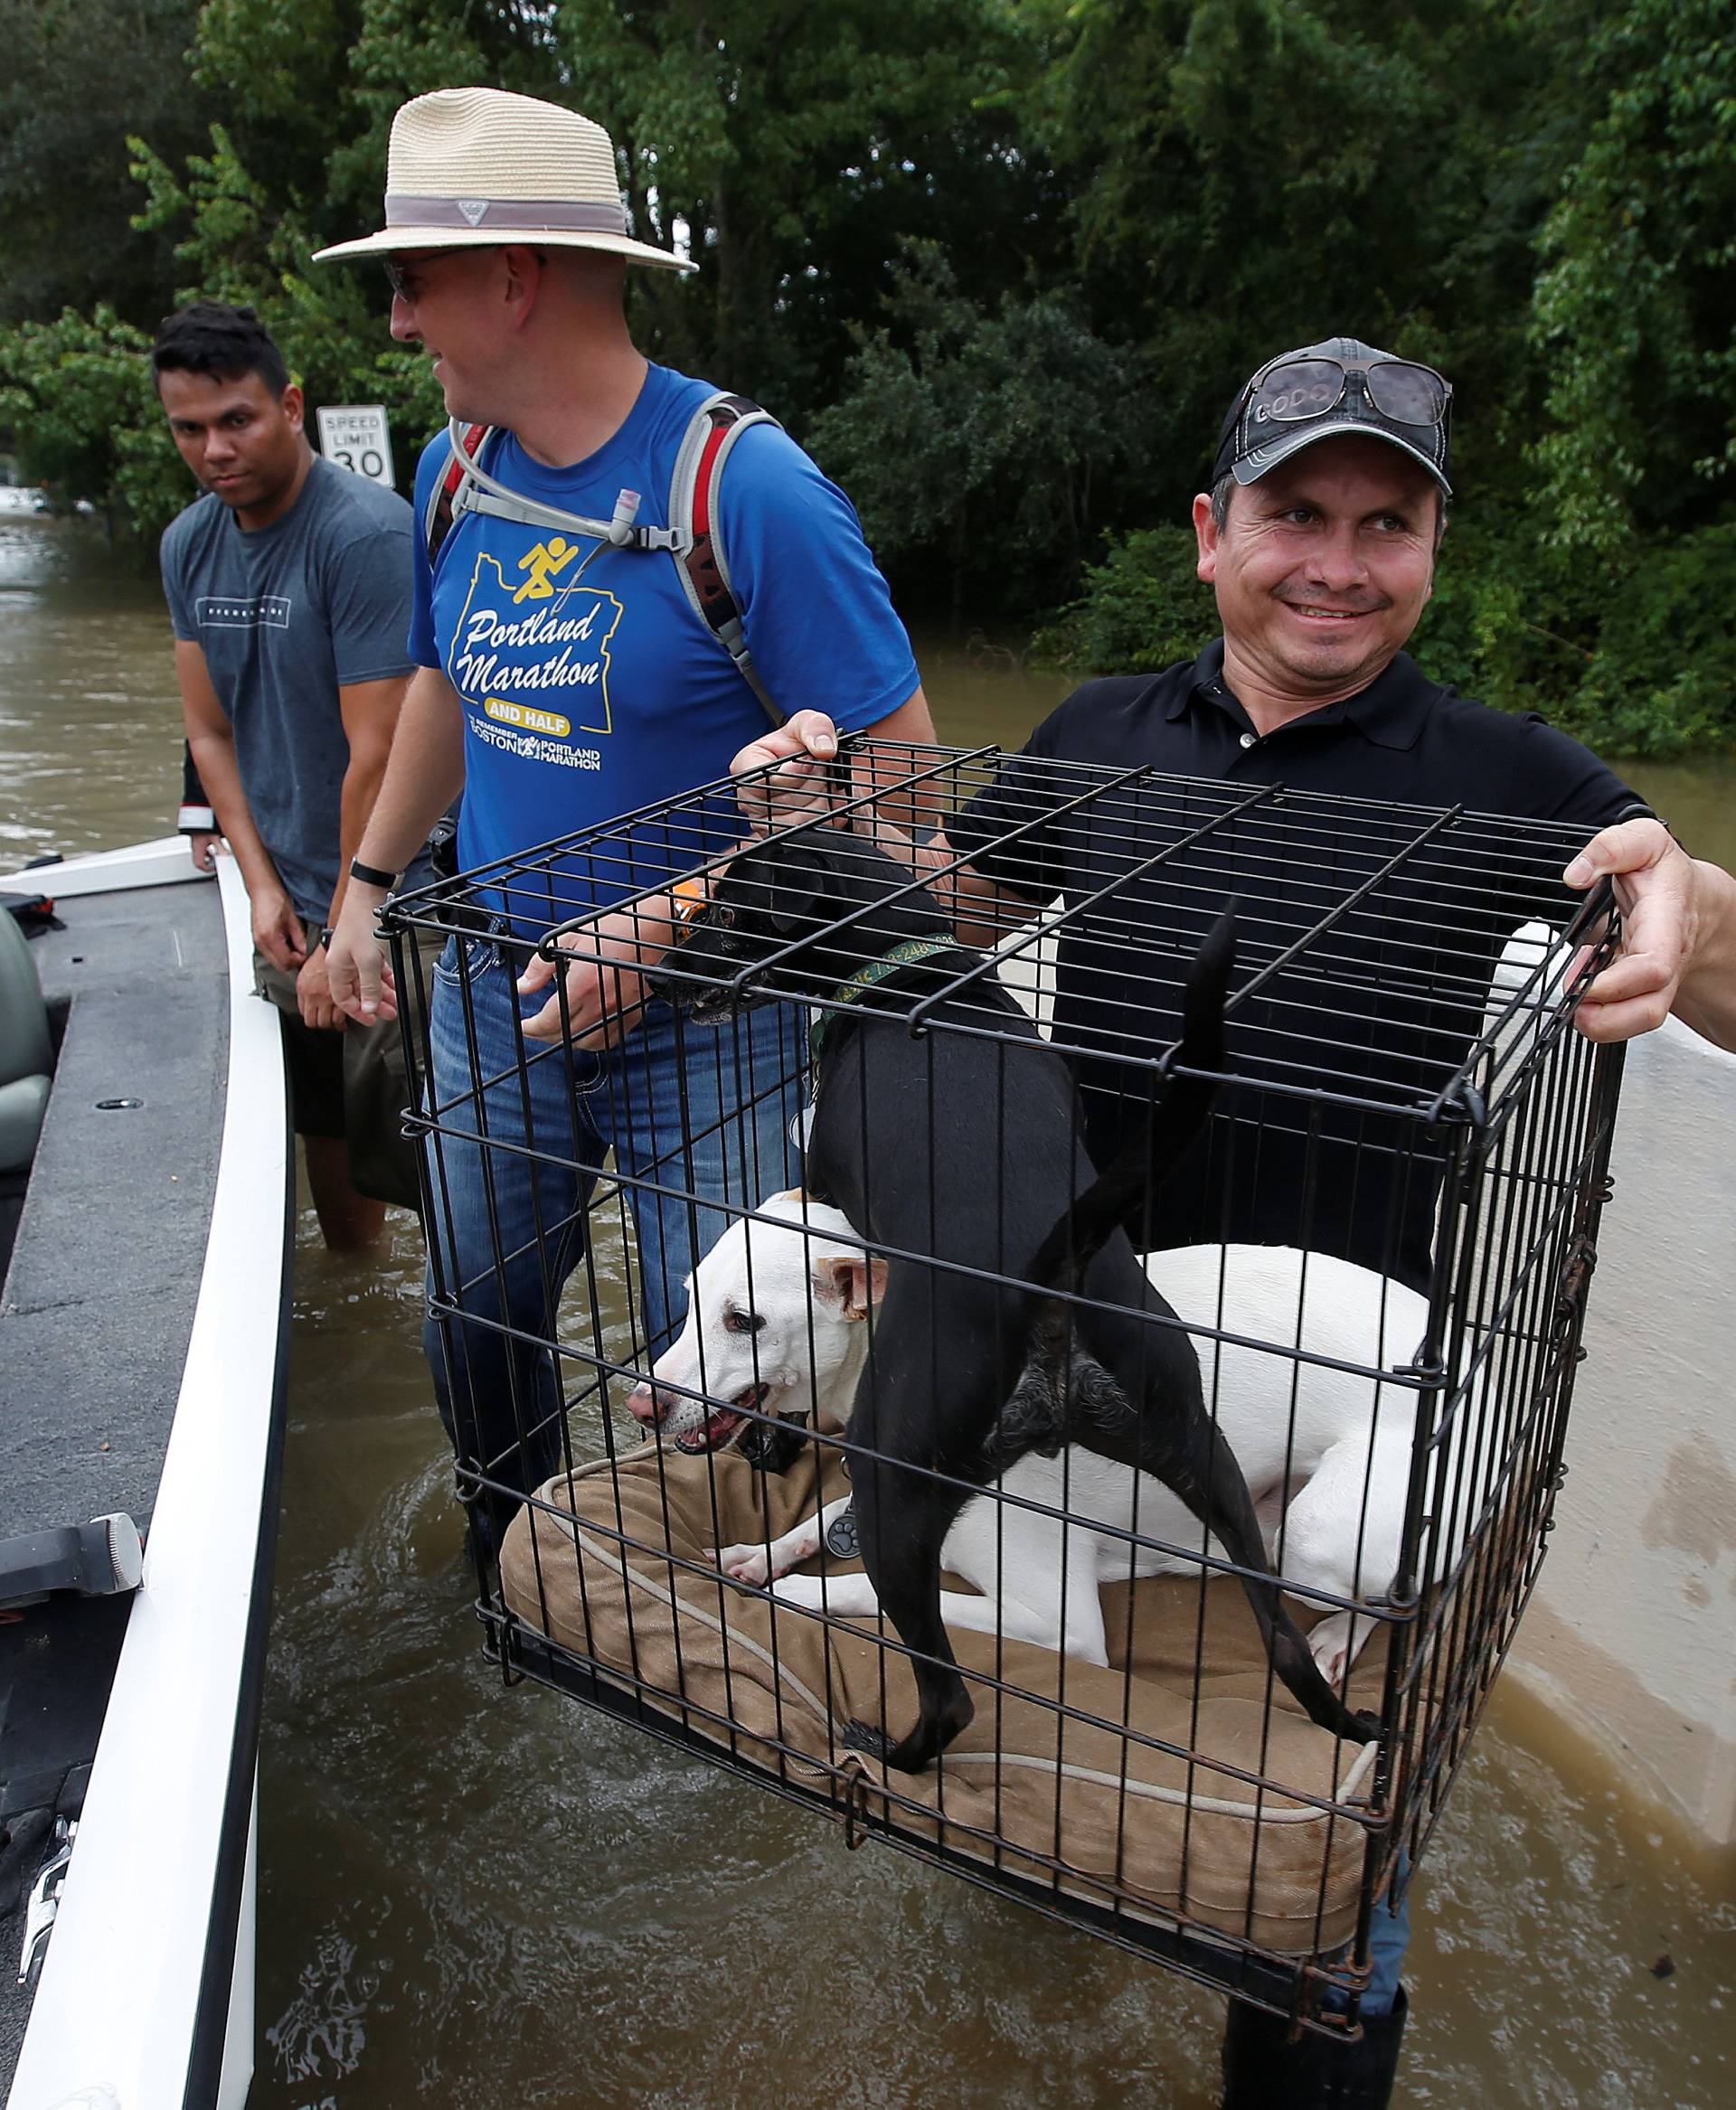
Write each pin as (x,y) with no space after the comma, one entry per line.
(1389,712)
(1204,672)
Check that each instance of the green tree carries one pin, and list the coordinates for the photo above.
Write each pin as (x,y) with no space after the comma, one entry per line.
(974,440)
(238,244)
(1634,311)
(1537,200)
(77,396)
(790,146)
(1248,175)
(75,82)
(1000,262)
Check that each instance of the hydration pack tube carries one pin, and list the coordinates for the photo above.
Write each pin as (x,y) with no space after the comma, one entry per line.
(693,539)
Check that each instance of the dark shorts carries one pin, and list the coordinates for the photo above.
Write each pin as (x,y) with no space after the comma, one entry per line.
(352,1084)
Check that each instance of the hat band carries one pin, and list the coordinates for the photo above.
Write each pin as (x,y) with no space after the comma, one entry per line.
(521,215)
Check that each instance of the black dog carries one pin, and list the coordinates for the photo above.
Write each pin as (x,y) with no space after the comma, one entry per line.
(961,1146)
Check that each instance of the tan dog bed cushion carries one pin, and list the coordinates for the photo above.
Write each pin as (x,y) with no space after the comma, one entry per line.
(1069,1803)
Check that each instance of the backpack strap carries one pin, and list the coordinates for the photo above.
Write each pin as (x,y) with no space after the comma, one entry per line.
(700,561)
(475,490)
(443,504)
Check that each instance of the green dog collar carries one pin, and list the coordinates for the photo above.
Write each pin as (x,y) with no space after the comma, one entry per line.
(906,953)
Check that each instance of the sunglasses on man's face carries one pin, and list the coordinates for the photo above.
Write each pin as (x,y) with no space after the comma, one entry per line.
(402,276)
(1299,388)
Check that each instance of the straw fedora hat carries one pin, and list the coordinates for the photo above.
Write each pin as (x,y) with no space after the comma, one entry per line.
(476,167)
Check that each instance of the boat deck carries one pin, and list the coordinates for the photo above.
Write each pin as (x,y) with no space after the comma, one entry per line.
(98,1302)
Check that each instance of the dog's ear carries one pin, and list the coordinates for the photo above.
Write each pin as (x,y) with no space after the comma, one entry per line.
(787,885)
(853,1281)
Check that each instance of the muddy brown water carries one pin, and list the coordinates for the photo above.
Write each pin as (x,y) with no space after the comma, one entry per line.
(469,1895)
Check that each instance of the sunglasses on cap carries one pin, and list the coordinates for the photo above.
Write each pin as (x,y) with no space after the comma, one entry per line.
(1292,391)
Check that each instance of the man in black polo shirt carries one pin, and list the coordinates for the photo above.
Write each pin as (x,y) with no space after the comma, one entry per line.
(1328,502)
(1318,536)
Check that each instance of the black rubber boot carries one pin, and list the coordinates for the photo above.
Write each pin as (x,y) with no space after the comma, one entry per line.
(1263,2070)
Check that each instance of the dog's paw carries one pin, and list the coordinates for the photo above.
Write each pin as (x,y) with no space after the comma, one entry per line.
(862,1736)
(1336,1643)
(771,1447)
(806,1590)
(1329,1645)
(744,1564)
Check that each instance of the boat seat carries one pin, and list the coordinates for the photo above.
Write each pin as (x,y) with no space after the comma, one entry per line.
(26,1050)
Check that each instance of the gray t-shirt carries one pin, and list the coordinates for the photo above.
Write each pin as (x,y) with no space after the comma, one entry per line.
(286,615)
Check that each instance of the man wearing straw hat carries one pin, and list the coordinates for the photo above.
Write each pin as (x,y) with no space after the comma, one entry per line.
(565,677)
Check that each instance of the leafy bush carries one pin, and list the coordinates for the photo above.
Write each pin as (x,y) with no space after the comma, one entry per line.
(77,396)
(1633,653)
(1663,678)
(976,442)
(1143,607)
(1000,265)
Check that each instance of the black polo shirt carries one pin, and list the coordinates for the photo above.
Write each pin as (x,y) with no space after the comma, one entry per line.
(1381,1000)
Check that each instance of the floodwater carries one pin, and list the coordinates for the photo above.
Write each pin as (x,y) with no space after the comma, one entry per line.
(471,1895)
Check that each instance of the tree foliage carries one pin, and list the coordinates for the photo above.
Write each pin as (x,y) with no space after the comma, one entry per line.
(72,85)
(1635,312)
(1002,263)
(77,395)
(1540,201)
(974,438)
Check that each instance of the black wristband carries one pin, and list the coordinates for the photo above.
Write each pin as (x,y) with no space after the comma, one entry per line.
(371,875)
(325,939)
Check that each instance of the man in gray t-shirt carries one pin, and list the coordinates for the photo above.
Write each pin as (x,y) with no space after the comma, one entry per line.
(289,585)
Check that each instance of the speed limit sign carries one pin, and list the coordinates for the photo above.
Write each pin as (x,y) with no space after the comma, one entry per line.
(355,437)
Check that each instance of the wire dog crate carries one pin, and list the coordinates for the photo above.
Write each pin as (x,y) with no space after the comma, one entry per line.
(1373,1240)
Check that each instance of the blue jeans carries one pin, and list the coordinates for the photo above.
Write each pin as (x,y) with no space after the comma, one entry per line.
(702,1112)
(1388,1936)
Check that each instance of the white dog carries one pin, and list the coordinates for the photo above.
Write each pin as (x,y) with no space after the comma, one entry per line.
(775,1323)
(775,1314)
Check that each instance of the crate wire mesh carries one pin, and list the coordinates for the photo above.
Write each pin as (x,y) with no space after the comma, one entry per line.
(1403,1107)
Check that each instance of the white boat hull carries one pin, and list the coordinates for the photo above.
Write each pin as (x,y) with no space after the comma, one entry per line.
(146,1997)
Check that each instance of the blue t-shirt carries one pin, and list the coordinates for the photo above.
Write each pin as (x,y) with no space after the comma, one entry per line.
(588,698)
(286,615)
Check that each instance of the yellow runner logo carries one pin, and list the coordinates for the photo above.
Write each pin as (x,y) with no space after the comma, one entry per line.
(542,562)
